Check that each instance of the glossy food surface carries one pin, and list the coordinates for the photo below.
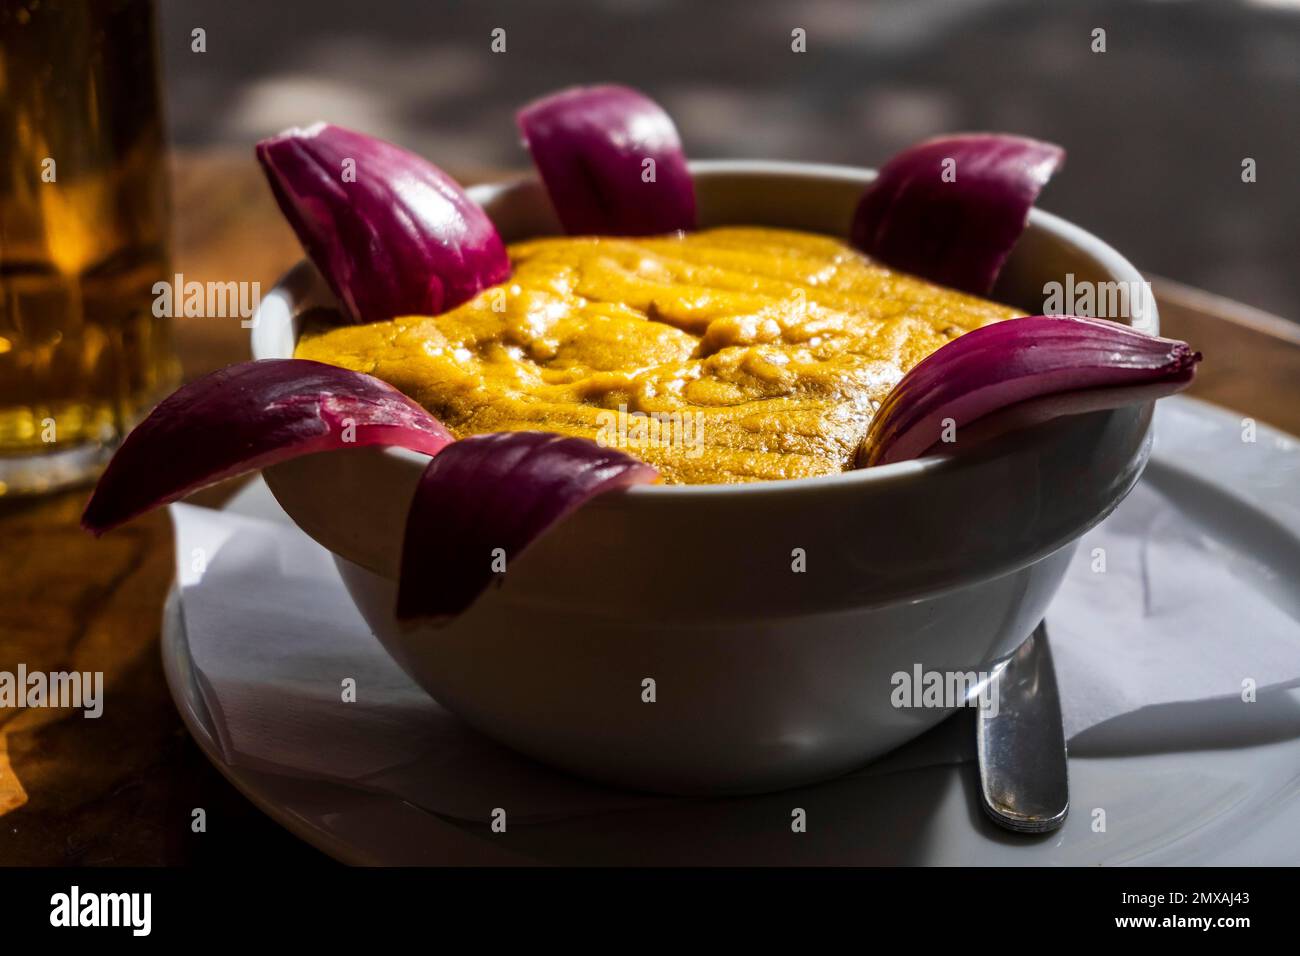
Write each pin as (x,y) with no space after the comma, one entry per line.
(725,355)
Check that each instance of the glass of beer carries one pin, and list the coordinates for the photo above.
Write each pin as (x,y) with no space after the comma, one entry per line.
(83,236)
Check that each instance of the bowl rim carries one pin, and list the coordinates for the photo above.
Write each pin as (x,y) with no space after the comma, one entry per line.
(284,293)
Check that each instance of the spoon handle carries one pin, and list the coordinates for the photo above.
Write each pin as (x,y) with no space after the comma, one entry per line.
(1024,780)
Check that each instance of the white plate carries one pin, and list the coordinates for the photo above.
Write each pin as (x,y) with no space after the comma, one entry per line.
(1214,806)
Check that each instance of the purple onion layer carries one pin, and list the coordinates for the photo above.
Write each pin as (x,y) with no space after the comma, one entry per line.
(248,416)
(611,160)
(484,499)
(1027,370)
(391,233)
(950,209)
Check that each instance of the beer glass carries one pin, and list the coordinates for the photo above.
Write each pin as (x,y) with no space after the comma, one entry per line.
(83,236)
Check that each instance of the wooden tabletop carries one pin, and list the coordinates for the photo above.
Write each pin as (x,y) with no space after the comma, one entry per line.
(120,790)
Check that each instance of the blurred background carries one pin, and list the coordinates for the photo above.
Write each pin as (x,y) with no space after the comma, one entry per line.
(1157,126)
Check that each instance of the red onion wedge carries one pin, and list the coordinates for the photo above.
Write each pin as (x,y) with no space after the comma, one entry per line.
(1019,372)
(248,416)
(611,160)
(391,233)
(484,499)
(950,209)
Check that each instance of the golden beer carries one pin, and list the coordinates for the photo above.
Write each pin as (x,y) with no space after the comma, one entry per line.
(83,235)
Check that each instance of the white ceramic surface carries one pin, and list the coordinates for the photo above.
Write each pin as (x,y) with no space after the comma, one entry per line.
(1231,800)
(765,678)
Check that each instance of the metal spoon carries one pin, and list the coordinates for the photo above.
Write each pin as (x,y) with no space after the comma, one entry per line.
(1024,781)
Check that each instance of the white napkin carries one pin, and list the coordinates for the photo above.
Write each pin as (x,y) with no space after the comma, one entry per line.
(1167,622)
(1200,594)
(1150,654)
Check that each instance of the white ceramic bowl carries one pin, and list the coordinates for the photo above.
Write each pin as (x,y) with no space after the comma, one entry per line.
(764,677)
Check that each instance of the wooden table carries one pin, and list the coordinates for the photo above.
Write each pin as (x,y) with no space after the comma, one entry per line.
(120,789)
